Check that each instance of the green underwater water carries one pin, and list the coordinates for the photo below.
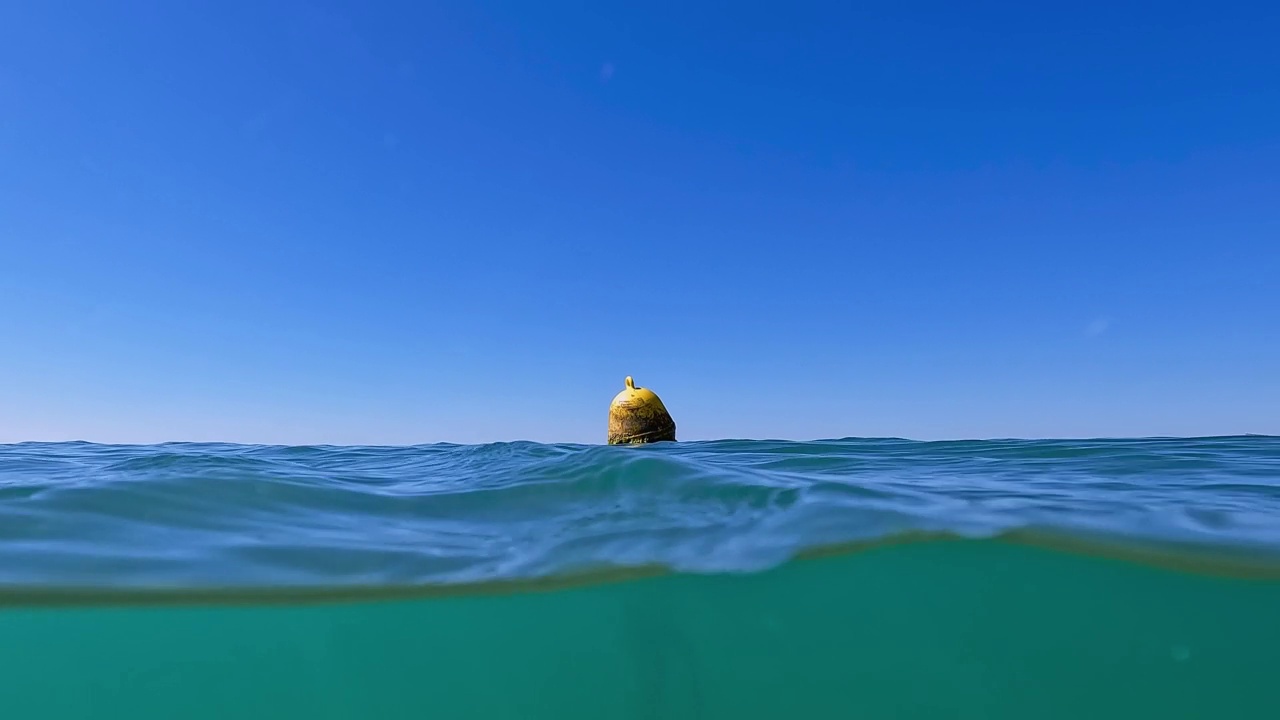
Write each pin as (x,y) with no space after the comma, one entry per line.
(940,629)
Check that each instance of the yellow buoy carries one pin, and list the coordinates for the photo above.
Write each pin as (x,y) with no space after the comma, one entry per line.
(637,416)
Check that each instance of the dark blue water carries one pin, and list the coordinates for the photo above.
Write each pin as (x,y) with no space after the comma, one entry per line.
(183,515)
(736,579)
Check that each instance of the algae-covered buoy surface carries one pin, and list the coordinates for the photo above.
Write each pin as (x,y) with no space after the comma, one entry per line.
(637,416)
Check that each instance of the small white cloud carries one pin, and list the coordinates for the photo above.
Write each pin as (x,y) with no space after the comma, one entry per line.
(606,72)
(1097,327)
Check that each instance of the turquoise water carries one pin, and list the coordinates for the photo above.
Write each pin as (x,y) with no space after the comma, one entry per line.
(852,578)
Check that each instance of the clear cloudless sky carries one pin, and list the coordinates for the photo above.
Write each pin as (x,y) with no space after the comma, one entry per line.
(402,222)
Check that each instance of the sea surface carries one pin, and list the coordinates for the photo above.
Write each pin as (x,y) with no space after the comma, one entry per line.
(848,578)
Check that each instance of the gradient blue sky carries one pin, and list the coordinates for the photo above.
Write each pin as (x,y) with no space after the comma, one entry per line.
(402,222)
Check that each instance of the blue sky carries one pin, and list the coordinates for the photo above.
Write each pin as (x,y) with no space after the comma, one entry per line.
(402,222)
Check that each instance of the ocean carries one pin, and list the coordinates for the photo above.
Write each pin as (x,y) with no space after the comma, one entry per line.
(855,578)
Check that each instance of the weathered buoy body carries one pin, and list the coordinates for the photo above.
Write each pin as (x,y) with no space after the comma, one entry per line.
(637,416)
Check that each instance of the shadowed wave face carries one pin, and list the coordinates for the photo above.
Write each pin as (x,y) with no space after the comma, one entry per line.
(213,515)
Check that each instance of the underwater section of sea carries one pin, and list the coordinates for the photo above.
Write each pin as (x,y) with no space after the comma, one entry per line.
(730,579)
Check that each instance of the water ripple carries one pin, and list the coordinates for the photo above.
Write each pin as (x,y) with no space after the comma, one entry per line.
(182,514)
